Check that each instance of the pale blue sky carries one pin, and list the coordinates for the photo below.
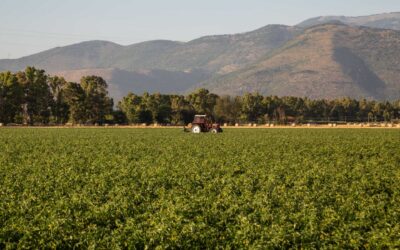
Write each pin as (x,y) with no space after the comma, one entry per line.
(30,26)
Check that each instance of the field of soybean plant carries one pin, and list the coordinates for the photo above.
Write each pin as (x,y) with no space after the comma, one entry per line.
(163,188)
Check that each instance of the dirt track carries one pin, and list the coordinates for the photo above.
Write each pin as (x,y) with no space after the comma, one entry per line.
(395,126)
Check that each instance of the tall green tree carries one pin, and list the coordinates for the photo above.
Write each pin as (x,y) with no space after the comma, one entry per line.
(59,106)
(181,111)
(31,96)
(97,102)
(75,98)
(227,109)
(131,106)
(252,107)
(202,101)
(11,95)
(37,96)
(378,109)
(159,106)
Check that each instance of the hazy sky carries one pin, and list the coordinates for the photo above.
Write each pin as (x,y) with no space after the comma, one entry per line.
(30,26)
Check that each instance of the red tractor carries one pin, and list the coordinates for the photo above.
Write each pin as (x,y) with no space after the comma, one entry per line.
(202,123)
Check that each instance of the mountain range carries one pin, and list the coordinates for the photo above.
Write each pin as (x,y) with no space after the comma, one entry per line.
(323,57)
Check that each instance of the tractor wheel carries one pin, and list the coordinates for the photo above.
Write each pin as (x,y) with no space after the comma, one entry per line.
(214,131)
(196,129)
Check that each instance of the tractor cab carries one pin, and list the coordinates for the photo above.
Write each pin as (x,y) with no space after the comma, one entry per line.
(202,123)
(200,119)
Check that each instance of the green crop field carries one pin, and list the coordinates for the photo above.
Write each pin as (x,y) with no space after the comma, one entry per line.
(148,188)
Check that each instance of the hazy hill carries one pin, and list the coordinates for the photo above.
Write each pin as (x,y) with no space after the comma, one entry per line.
(213,53)
(122,81)
(383,21)
(171,66)
(226,53)
(325,61)
(306,60)
(92,54)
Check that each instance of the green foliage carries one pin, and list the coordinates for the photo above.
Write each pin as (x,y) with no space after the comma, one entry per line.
(120,188)
(59,107)
(146,108)
(130,105)
(37,96)
(181,110)
(96,101)
(252,107)
(11,95)
(32,97)
(202,101)
(159,106)
(75,98)
(227,109)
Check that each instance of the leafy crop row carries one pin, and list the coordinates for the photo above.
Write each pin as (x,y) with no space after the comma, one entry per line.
(148,188)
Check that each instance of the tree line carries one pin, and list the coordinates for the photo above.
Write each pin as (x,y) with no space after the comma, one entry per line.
(33,97)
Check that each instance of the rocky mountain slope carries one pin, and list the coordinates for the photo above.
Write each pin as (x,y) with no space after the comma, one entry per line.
(325,61)
(321,57)
(222,53)
(382,21)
